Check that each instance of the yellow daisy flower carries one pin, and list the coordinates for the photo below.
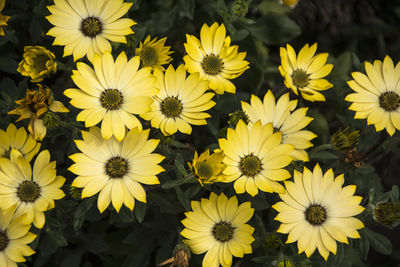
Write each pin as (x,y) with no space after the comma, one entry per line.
(112,93)
(38,63)
(285,118)
(305,72)
(208,168)
(180,102)
(218,225)
(376,95)
(154,53)
(29,192)
(3,18)
(35,105)
(85,26)
(19,140)
(255,157)
(316,211)
(14,237)
(214,58)
(116,169)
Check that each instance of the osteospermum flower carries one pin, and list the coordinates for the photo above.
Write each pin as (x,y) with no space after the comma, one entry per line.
(218,225)
(34,107)
(14,237)
(208,168)
(38,63)
(305,72)
(29,191)
(255,158)
(376,95)
(116,169)
(85,27)
(316,211)
(214,58)
(111,93)
(180,102)
(154,53)
(3,18)
(19,140)
(285,118)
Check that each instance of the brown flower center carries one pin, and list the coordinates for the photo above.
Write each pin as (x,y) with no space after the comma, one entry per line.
(250,165)
(39,62)
(116,167)
(315,214)
(389,101)
(111,99)
(212,64)
(28,191)
(3,240)
(204,169)
(148,55)
(300,78)
(171,107)
(91,27)
(223,231)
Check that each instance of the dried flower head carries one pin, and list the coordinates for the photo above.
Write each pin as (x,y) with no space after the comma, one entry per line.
(38,63)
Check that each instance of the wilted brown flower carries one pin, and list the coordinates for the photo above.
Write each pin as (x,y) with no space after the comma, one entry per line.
(35,104)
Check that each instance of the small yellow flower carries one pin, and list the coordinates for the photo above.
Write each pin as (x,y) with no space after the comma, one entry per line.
(208,168)
(3,18)
(154,53)
(214,58)
(35,104)
(19,140)
(376,95)
(289,3)
(14,237)
(305,72)
(38,63)
(316,211)
(218,226)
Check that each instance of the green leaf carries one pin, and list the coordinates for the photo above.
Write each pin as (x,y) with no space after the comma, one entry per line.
(179,166)
(183,199)
(173,183)
(84,207)
(274,29)
(8,63)
(57,238)
(363,245)
(139,211)
(394,194)
(186,8)
(379,242)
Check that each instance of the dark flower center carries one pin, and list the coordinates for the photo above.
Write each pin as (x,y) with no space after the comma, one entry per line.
(315,214)
(39,62)
(223,231)
(111,99)
(171,107)
(28,191)
(300,78)
(389,101)
(148,55)
(91,27)
(204,169)
(250,165)
(212,64)
(116,167)
(3,240)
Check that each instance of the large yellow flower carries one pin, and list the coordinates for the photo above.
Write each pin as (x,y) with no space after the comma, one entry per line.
(377,95)
(29,192)
(180,102)
(85,26)
(116,169)
(38,63)
(284,119)
(3,18)
(214,59)
(14,237)
(305,72)
(154,53)
(255,157)
(112,93)
(208,168)
(19,140)
(218,225)
(317,211)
